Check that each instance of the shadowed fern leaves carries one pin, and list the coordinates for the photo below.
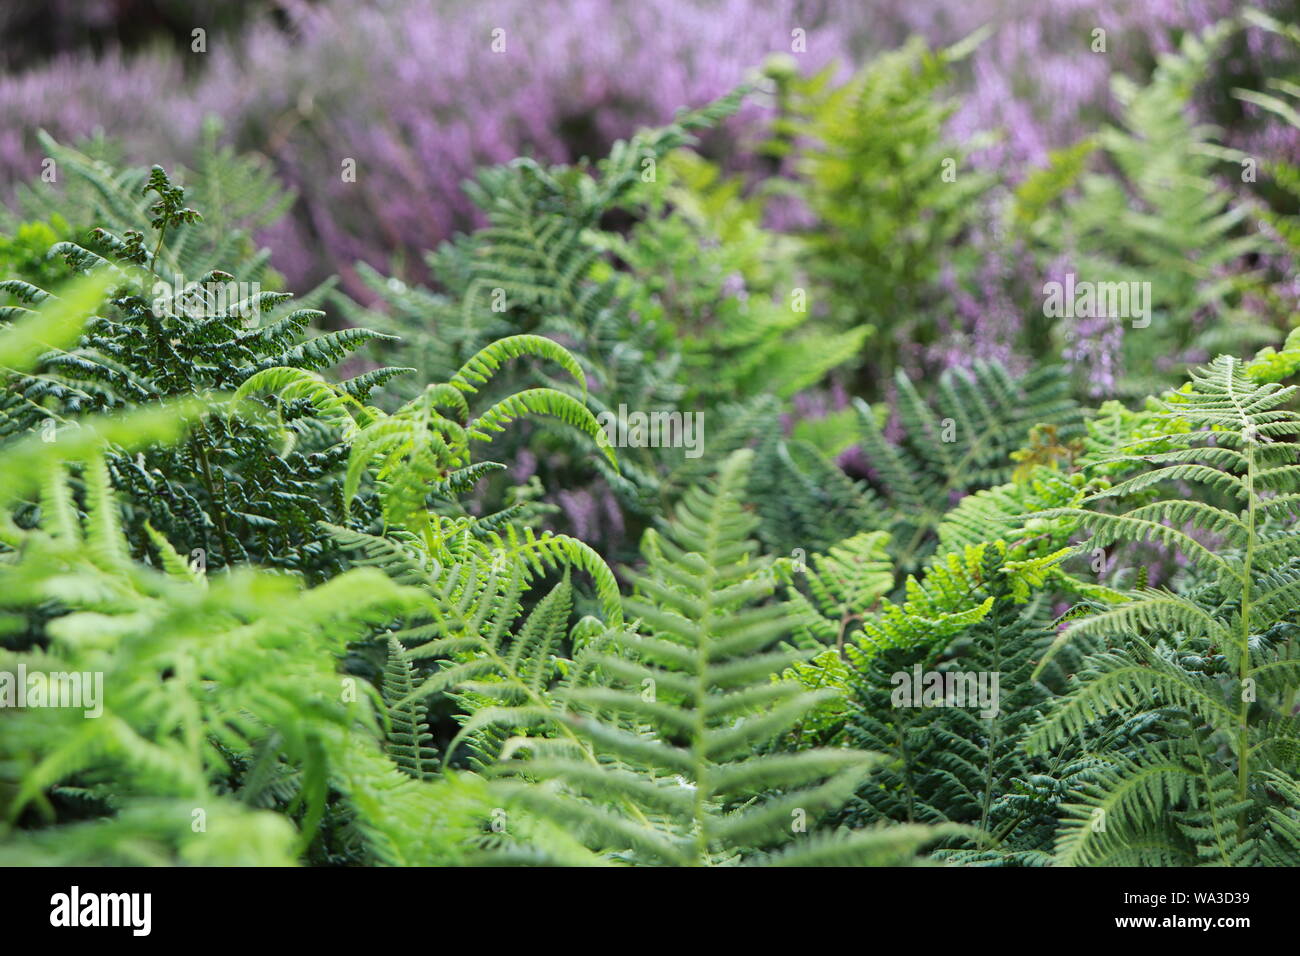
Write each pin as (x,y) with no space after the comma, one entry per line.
(956,736)
(959,442)
(235,491)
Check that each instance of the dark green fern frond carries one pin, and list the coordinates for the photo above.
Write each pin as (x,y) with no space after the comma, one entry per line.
(958,443)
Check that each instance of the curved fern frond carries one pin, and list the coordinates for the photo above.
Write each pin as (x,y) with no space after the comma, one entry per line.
(480,368)
(542,401)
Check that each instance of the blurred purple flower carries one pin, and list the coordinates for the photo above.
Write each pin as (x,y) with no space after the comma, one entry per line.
(413,91)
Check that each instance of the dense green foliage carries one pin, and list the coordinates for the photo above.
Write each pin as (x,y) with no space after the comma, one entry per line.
(460,609)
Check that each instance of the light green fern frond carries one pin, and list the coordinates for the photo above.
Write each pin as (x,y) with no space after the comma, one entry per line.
(680,722)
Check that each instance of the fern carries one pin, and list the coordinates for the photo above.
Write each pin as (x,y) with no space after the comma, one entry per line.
(1166,220)
(869,157)
(474,569)
(700,259)
(858,607)
(959,442)
(236,491)
(1215,669)
(685,704)
(843,585)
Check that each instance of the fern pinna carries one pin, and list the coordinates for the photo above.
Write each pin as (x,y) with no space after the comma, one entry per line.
(1209,677)
(857,604)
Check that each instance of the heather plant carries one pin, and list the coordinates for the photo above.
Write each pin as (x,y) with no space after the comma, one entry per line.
(565,82)
(556,82)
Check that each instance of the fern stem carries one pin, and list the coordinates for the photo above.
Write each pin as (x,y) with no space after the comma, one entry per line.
(218,506)
(1243,664)
(153,260)
(698,807)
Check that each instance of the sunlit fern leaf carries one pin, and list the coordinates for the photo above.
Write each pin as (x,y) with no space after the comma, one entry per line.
(282,719)
(1213,669)
(687,705)
(408,740)
(541,401)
